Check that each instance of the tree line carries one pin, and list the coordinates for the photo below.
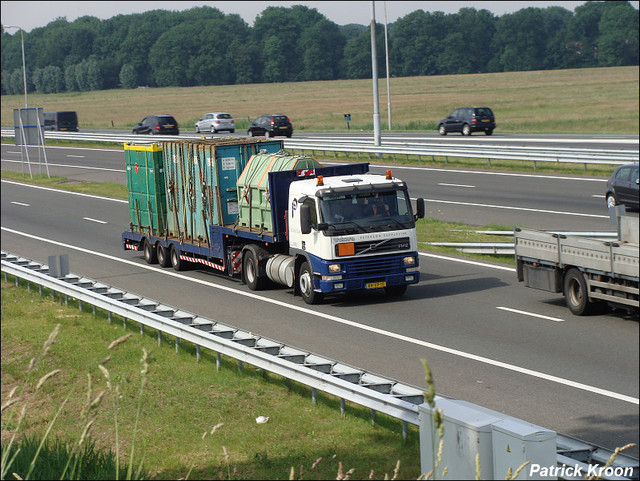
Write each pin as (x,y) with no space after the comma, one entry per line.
(203,46)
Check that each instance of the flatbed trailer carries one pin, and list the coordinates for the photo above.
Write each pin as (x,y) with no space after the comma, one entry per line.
(587,271)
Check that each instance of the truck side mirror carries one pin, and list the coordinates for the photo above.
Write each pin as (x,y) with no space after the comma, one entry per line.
(420,208)
(305,219)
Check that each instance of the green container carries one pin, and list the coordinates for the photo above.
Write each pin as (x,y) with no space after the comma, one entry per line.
(201,180)
(146,185)
(254,200)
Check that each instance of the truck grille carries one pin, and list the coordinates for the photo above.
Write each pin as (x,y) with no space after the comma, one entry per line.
(370,267)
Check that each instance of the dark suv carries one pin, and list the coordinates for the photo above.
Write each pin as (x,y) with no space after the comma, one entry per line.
(270,126)
(467,120)
(157,125)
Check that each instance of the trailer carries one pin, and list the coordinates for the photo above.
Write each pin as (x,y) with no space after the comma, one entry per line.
(587,271)
(247,208)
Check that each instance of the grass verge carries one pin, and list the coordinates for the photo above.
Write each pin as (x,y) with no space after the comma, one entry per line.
(182,402)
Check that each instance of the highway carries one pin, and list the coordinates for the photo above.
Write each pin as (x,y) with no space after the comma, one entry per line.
(488,339)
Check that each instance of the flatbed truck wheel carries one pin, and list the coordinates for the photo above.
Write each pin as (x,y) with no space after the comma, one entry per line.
(252,275)
(576,292)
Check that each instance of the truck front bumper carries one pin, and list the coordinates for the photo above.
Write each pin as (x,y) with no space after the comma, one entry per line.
(366,273)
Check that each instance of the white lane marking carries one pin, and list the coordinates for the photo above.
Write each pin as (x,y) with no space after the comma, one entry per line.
(76,156)
(527,209)
(94,220)
(21,203)
(467,261)
(124,201)
(456,185)
(598,196)
(346,322)
(101,197)
(85,167)
(532,314)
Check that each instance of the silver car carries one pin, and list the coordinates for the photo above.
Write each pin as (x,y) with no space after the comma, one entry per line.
(215,122)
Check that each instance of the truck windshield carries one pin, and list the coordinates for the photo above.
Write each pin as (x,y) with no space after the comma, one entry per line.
(366,212)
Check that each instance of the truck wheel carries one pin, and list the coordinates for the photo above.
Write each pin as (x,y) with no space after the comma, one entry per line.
(149,253)
(176,262)
(251,271)
(305,282)
(163,256)
(395,291)
(575,292)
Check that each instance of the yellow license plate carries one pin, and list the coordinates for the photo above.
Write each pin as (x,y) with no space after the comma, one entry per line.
(485,120)
(375,285)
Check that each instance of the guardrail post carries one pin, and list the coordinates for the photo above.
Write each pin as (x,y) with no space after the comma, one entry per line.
(314,396)
(110,317)
(240,366)
(177,344)
(29,287)
(141,329)
(343,407)
(79,305)
(405,430)
(373,416)
(159,338)
(197,353)
(218,361)
(124,322)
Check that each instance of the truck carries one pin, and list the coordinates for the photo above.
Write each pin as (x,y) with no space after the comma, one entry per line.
(247,208)
(588,271)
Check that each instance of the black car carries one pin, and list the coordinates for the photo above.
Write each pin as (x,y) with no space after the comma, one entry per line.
(467,120)
(622,187)
(270,126)
(157,125)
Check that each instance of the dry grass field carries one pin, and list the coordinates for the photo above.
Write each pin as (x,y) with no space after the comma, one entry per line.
(596,100)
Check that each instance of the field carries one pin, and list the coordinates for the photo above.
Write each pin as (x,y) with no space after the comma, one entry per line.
(596,100)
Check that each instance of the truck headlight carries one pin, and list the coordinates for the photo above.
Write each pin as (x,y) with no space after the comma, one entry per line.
(333,268)
(409,261)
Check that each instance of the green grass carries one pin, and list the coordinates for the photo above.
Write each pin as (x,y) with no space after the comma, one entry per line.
(182,400)
(593,100)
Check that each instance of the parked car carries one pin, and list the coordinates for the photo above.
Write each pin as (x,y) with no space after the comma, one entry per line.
(157,125)
(270,126)
(622,187)
(467,120)
(215,122)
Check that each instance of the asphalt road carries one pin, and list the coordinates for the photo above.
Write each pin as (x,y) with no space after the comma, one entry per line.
(488,339)
(510,199)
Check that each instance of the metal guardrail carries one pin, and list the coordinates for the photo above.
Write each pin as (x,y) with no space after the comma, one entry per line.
(379,393)
(395,148)
(508,248)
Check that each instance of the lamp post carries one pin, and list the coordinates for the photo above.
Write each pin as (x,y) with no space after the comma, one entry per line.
(24,70)
(374,75)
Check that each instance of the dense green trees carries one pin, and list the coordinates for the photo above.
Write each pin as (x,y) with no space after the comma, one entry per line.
(203,46)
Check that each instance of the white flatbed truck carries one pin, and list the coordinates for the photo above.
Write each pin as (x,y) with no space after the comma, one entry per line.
(586,270)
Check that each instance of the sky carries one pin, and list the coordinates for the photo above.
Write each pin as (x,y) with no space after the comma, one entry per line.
(30,15)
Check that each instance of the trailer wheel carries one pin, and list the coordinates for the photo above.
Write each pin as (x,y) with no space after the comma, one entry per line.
(176,262)
(305,283)
(163,256)
(576,293)
(149,253)
(251,272)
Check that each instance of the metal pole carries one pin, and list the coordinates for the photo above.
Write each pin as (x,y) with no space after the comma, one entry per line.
(24,70)
(386,49)
(374,74)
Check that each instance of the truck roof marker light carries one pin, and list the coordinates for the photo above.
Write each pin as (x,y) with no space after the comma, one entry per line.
(389,176)
(320,180)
